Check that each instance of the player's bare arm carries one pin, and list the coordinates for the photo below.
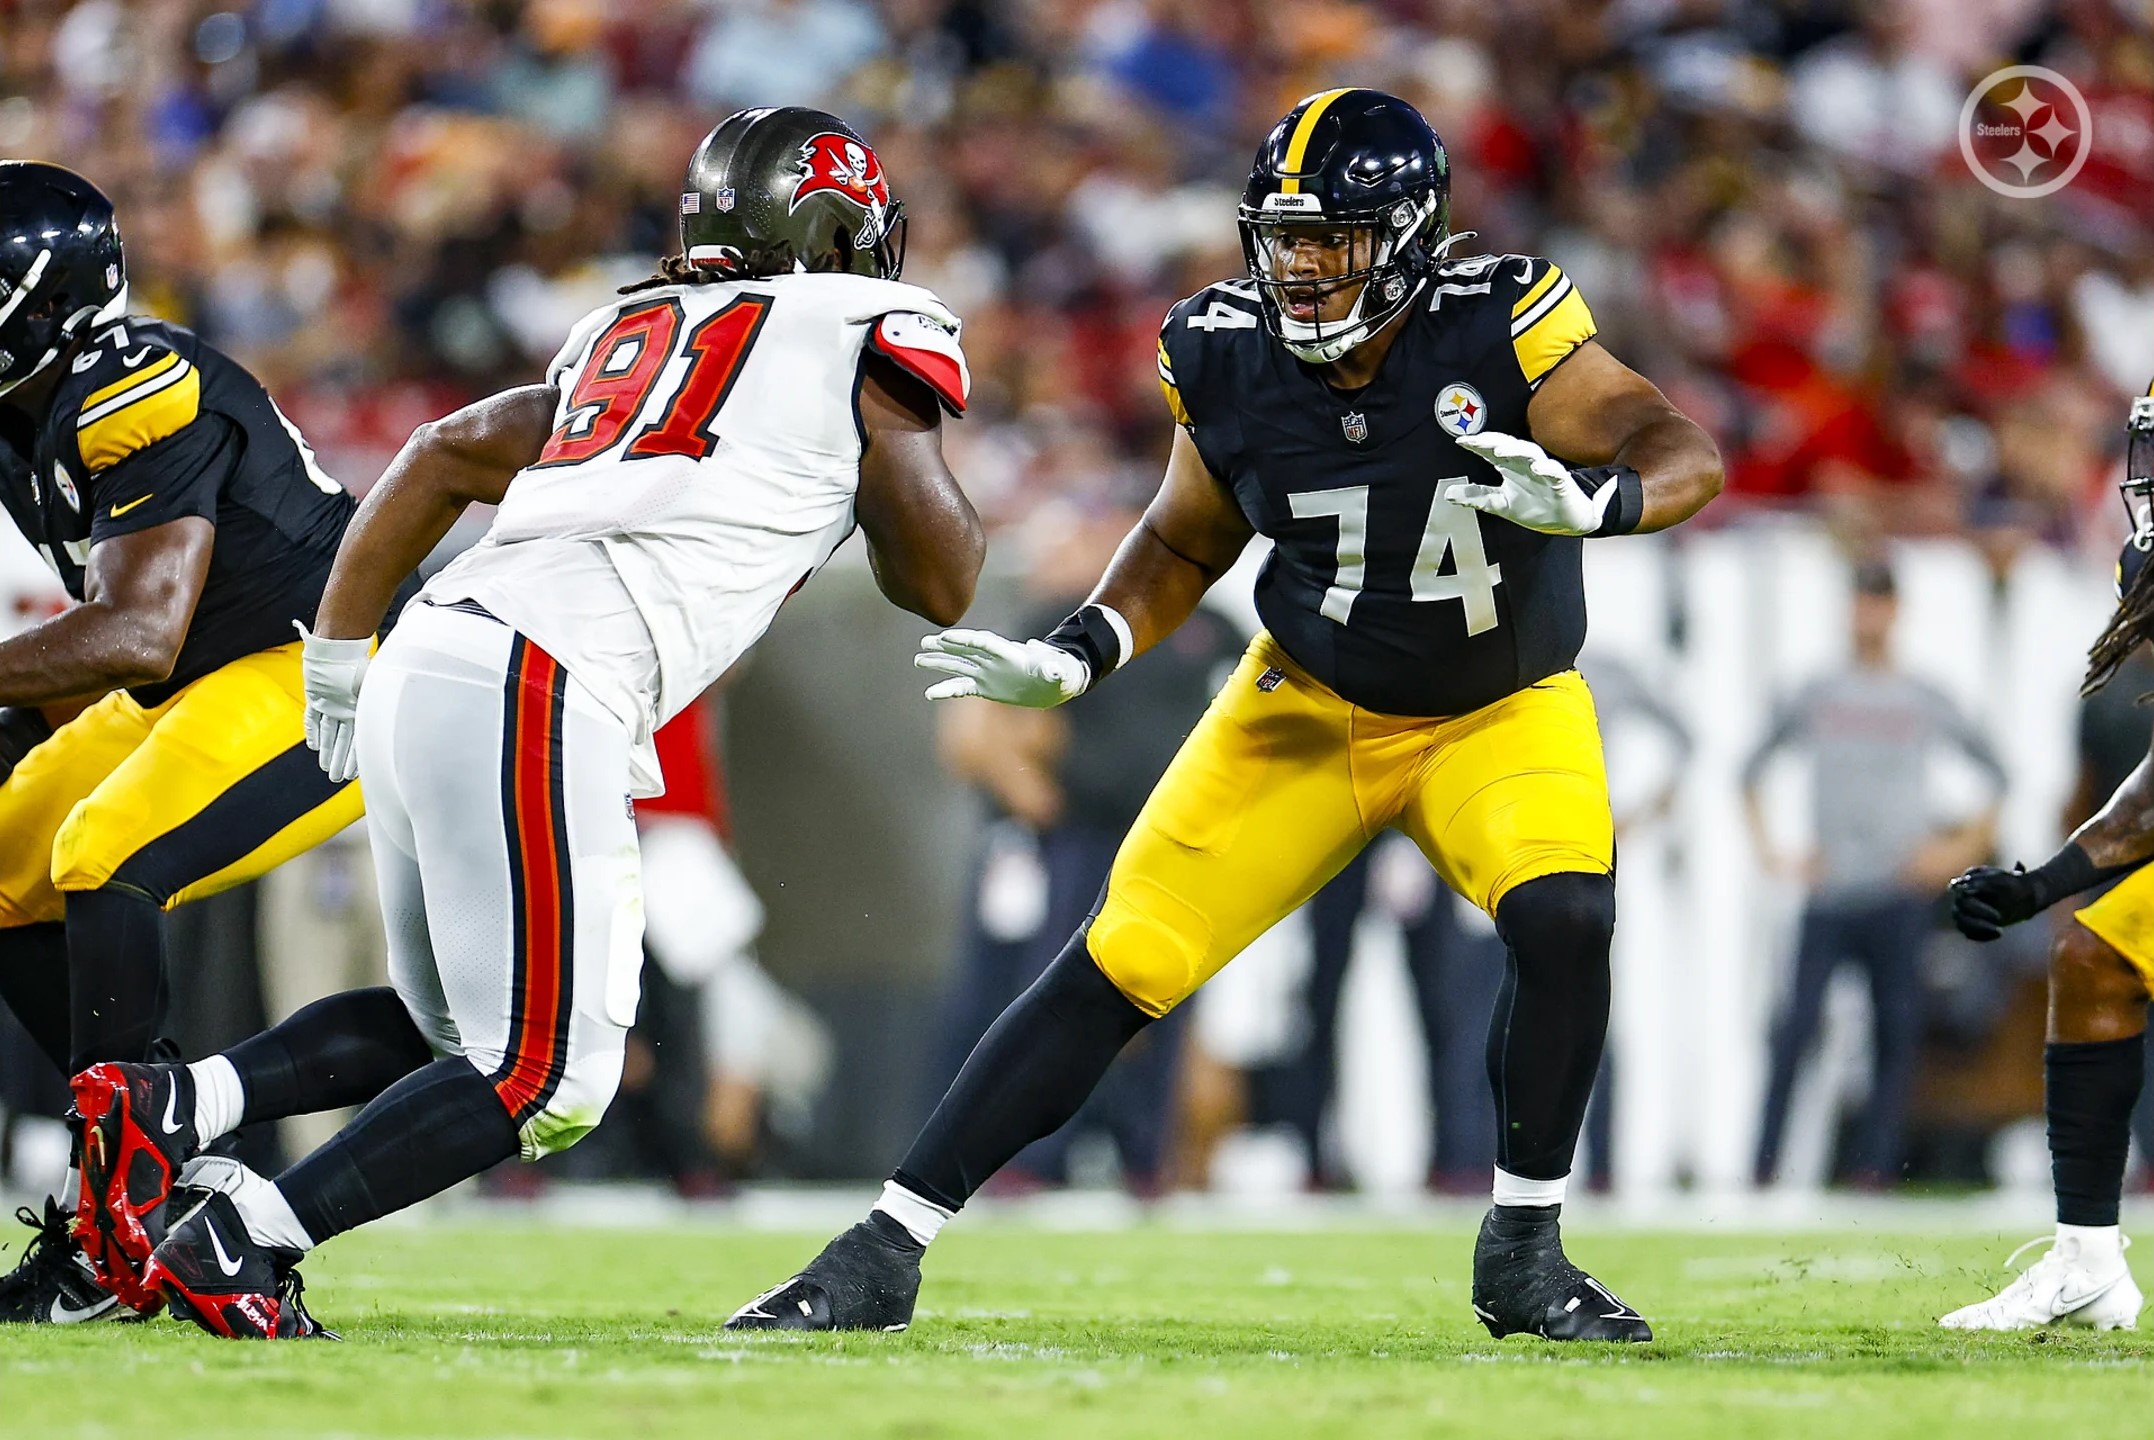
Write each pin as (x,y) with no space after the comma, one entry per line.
(925,542)
(139,596)
(1190,535)
(1595,410)
(447,466)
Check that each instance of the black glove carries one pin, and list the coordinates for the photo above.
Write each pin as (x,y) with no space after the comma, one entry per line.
(21,731)
(1985,899)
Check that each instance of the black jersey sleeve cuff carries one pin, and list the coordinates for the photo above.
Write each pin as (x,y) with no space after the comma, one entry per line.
(1627,508)
(1093,638)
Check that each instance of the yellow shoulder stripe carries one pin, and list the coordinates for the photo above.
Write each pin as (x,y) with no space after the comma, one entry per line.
(1556,326)
(127,382)
(1297,145)
(138,413)
(1540,287)
(1167,387)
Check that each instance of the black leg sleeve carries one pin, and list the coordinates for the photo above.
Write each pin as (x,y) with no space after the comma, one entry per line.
(116,970)
(439,1125)
(33,982)
(2091,1092)
(1025,1079)
(339,1051)
(1551,1018)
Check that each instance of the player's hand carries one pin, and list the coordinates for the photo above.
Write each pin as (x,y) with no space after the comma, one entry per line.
(1014,672)
(1538,491)
(333,671)
(1986,899)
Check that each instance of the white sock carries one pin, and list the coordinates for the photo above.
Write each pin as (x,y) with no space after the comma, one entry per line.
(2097,1243)
(219,1098)
(1518,1190)
(922,1219)
(261,1205)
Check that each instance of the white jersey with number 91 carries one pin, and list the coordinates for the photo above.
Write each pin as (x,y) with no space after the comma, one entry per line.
(703,464)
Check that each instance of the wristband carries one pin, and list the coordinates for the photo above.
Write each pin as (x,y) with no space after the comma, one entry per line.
(2068,872)
(1097,636)
(1627,508)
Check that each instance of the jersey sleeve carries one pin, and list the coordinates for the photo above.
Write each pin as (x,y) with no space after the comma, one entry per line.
(926,348)
(1168,388)
(133,402)
(1549,318)
(177,477)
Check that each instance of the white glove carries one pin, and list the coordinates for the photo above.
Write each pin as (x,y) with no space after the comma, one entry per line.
(1538,491)
(1015,672)
(333,671)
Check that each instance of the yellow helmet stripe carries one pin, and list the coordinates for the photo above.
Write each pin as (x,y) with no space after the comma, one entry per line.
(1297,146)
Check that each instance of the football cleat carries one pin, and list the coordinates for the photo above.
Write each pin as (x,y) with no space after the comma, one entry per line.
(137,1130)
(866,1279)
(52,1284)
(2064,1287)
(217,1275)
(1523,1283)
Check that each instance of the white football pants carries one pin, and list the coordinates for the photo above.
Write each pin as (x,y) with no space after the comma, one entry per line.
(505,850)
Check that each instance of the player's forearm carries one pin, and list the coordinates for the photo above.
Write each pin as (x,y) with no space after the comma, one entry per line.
(398,525)
(2122,831)
(1679,467)
(90,649)
(1153,586)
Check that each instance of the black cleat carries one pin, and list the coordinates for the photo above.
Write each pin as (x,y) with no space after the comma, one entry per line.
(866,1279)
(52,1284)
(223,1279)
(1523,1284)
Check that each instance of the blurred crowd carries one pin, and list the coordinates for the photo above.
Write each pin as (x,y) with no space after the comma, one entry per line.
(386,206)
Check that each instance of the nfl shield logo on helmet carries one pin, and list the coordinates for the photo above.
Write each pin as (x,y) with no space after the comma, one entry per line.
(722,200)
(1356,426)
(1461,410)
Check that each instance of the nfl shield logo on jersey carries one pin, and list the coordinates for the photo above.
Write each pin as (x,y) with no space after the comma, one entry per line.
(1356,426)
(1460,410)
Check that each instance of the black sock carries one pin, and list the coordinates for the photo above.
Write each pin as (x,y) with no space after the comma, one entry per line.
(440,1124)
(1024,1080)
(339,1051)
(1551,1018)
(33,982)
(116,969)
(2091,1090)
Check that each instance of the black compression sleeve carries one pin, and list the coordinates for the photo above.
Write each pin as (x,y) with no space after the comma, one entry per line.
(2067,873)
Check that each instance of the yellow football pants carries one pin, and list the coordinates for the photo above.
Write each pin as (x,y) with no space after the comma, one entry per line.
(1283,782)
(211,789)
(2123,916)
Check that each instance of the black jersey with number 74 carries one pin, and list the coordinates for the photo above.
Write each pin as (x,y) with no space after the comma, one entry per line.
(1395,597)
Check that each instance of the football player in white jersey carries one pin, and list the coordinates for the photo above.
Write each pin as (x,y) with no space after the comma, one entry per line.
(699,449)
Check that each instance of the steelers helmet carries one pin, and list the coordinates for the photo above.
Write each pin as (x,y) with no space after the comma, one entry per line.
(2138,483)
(1359,164)
(789,190)
(60,264)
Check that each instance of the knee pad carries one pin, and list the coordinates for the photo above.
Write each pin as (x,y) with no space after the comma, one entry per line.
(1563,920)
(577,1104)
(1150,943)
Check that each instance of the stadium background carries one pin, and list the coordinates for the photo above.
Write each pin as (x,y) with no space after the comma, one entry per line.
(386,207)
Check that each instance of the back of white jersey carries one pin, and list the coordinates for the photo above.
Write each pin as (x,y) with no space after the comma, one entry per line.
(707,439)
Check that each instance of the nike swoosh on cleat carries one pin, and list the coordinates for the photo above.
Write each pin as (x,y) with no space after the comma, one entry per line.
(66,1314)
(170,1122)
(224,1262)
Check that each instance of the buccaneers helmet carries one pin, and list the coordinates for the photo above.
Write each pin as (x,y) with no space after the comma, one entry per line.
(1359,162)
(60,264)
(775,192)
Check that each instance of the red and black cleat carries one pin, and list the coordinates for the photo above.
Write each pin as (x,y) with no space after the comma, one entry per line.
(137,1131)
(217,1275)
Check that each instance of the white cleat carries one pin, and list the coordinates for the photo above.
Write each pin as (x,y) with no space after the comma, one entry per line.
(2064,1287)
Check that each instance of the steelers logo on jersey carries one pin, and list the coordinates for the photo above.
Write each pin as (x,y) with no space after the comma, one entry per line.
(1461,410)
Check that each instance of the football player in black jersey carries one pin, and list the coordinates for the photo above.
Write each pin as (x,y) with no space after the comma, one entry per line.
(1364,402)
(189,522)
(2101,972)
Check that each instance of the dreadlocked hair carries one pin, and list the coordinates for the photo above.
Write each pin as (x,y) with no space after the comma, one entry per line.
(675,270)
(2131,624)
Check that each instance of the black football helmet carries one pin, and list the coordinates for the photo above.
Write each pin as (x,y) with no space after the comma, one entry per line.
(1357,161)
(60,264)
(2138,483)
(779,191)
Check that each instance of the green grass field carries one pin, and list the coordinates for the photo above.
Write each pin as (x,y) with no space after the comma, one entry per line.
(466,1330)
